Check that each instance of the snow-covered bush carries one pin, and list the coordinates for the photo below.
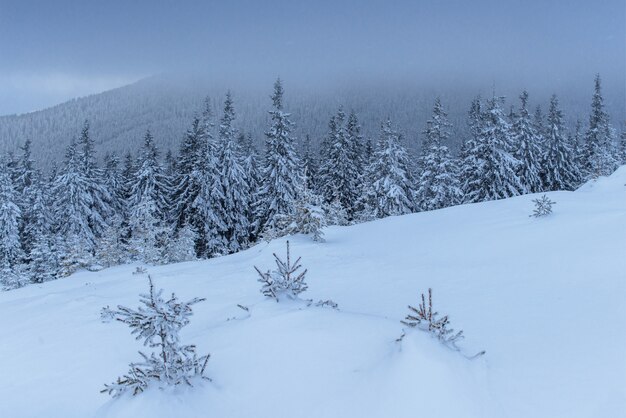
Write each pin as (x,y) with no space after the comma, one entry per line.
(181,247)
(285,281)
(543,206)
(424,318)
(158,323)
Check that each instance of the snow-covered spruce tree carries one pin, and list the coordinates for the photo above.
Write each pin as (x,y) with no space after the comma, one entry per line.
(181,246)
(99,198)
(72,213)
(148,205)
(197,173)
(424,318)
(114,246)
(112,179)
(25,177)
(559,169)
(468,158)
(390,191)
(251,169)
(338,173)
(209,216)
(336,214)
(355,139)
(493,173)
(43,259)
(10,248)
(233,181)
(309,216)
(438,183)
(158,323)
(285,282)
(527,148)
(597,154)
(281,176)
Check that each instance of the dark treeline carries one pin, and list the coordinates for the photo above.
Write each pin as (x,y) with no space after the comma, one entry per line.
(219,194)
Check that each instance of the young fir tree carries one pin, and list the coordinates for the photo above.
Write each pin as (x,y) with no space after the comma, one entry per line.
(158,323)
(181,246)
(559,169)
(309,216)
(114,247)
(391,189)
(598,157)
(234,182)
(286,282)
(438,184)
(489,167)
(148,205)
(10,248)
(281,177)
(527,148)
(338,174)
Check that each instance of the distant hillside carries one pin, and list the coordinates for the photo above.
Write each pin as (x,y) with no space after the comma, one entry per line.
(166,105)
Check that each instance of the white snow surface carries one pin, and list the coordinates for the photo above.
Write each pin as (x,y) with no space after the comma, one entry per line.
(546,298)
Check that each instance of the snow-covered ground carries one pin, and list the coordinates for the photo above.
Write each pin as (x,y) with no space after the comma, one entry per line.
(545,297)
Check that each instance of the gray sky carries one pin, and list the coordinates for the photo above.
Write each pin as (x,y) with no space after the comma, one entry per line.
(51,51)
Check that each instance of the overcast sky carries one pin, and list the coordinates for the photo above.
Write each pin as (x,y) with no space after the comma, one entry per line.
(54,50)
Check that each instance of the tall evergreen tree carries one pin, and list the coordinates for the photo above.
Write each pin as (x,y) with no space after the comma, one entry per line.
(438,184)
(598,158)
(253,175)
(391,189)
(338,174)
(234,182)
(358,148)
(72,211)
(489,169)
(559,169)
(281,177)
(527,148)
(468,158)
(148,205)
(99,198)
(42,255)
(25,176)
(10,248)
(113,181)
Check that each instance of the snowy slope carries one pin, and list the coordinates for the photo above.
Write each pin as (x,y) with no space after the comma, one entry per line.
(545,298)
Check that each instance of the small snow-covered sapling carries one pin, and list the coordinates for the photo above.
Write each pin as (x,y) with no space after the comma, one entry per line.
(543,206)
(158,323)
(423,317)
(284,282)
